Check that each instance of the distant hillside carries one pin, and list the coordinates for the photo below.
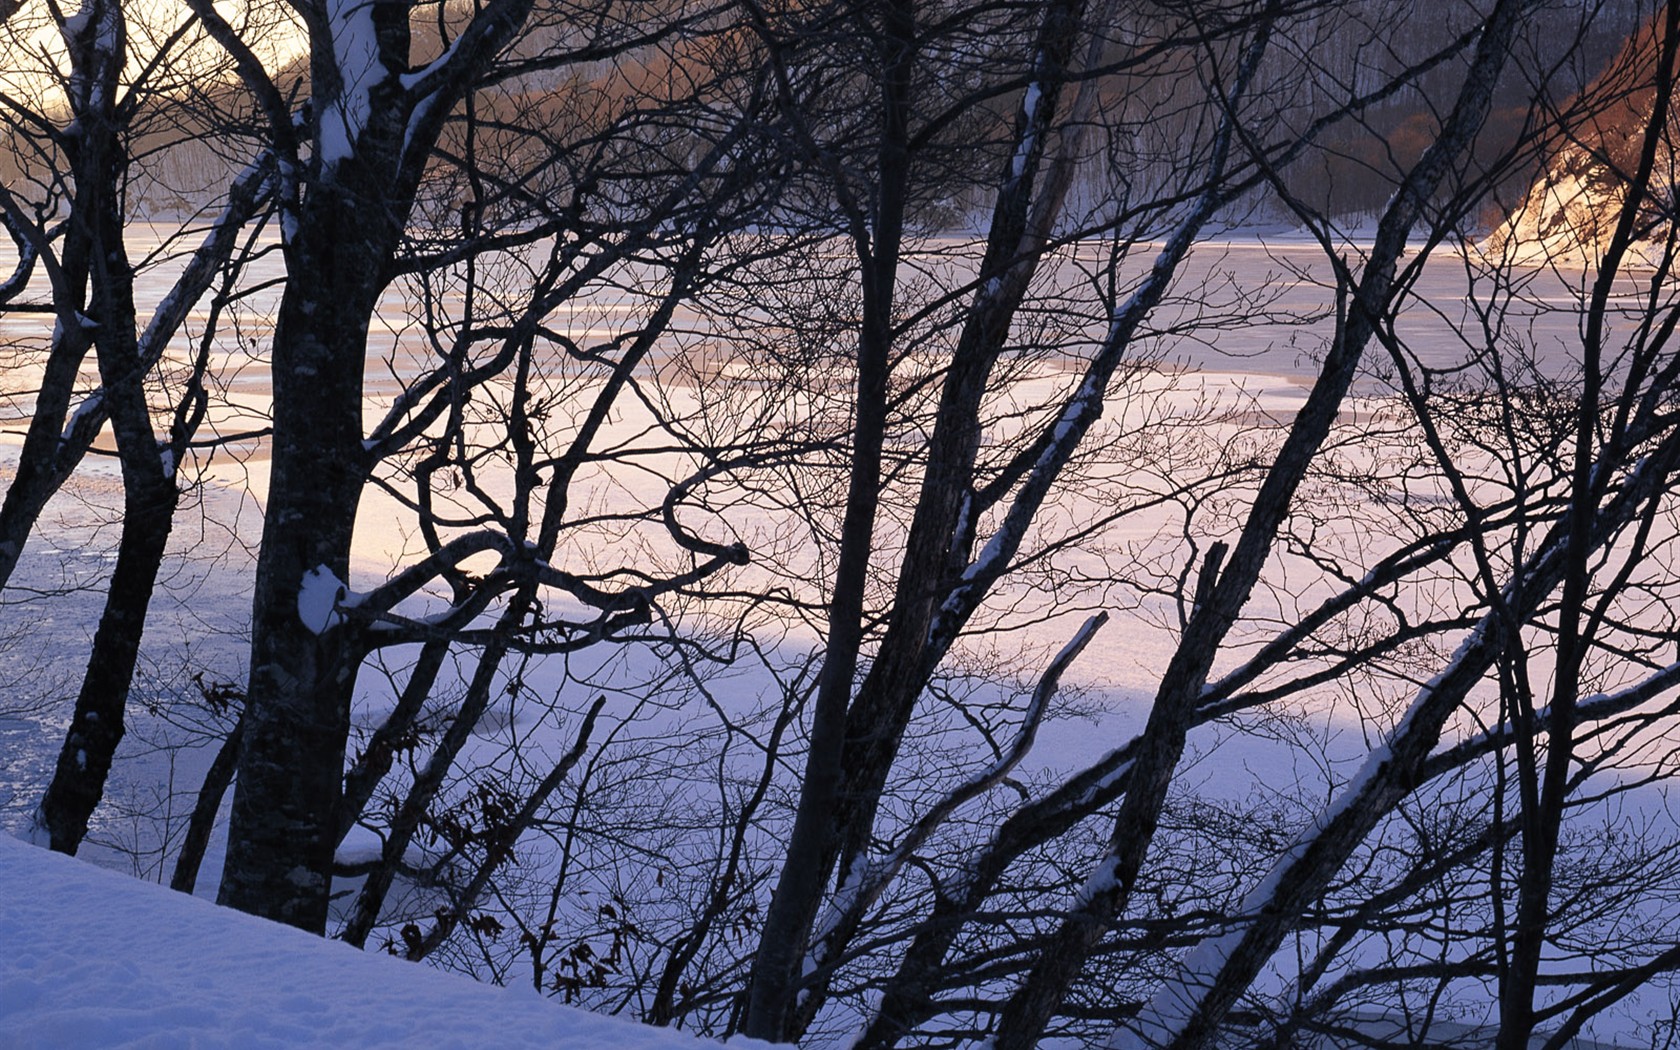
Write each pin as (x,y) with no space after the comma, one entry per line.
(1572,207)
(194,133)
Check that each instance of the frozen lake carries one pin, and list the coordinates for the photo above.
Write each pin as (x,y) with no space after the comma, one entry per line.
(1233,352)
(1244,327)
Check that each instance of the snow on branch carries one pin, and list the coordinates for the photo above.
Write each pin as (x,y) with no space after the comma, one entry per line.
(1595,708)
(355,44)
(320,594)
(85,422)
(249,190)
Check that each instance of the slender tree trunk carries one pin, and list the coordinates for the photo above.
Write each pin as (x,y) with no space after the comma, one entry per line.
(97,725)
(370,767)
(416,806)
(94,155)
(785,938)
(203,820)
(1541,829)
(942,531)
(150,493)
(44,461)
(941,535)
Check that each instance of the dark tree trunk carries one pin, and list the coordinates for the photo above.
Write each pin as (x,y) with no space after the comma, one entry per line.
(44,461)
(371,136)
(93,154)
(1547,789)
(283,826)
(941,532)
(96,727)
(784,940)
(150,493)
(203,820)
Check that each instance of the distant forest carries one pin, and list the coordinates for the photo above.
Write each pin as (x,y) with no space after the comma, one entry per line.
(1349,177)
(180,169)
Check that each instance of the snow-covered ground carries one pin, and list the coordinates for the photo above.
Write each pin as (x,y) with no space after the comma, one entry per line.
(96,959)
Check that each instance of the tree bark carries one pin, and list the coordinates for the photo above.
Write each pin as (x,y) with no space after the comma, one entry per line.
(1542,827)
(97,724)
(283,826)
(150,493)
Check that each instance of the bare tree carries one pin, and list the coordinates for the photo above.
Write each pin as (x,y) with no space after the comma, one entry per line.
(942,576)
(731,479)
(76,158)
(358,163)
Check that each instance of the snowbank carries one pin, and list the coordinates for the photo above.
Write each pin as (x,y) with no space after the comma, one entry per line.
(92,958)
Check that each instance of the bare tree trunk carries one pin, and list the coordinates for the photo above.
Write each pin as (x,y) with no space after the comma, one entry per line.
(203,820)
(149,488)
(284,822)
(1542,825)
(941,533)
(429,781)
(370,767)
(97,724)
(938,543)
(783,941)
(46,458)
(92,283)
(95,158)
(374,121)
(1161,746)
(283,826)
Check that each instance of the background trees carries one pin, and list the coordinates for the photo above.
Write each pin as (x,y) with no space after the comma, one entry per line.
(704,439)
(81,130)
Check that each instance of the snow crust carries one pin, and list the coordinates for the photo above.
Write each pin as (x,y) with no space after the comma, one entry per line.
(97,959)
(319,596)
(356,49)
(1029,110)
